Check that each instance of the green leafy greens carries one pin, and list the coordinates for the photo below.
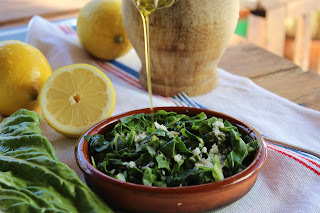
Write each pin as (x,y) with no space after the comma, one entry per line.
(179,151)
(32,178)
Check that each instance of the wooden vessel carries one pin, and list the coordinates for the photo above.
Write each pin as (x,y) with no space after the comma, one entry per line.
(187,41)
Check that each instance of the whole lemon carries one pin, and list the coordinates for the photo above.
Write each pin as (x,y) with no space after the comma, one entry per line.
(23,71)
(101,31)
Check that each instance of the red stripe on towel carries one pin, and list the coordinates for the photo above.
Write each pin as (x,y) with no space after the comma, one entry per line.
(62,28)
(295,153)
(293,157)
(114,72)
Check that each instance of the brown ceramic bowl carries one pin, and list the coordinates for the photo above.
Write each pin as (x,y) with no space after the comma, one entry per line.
(198,198)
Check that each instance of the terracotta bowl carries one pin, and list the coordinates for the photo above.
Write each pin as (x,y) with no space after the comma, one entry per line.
(198,198)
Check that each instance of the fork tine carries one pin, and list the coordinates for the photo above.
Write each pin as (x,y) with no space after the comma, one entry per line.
(184,100)
(189,101)
(193,102)
(178,101)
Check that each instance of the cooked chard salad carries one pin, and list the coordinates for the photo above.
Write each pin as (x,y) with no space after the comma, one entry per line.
(174,150)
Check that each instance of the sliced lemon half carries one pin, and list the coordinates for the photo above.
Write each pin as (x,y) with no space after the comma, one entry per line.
(75,98)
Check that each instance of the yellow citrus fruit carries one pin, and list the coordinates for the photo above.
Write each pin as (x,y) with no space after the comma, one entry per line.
(23,71)
(101,31)
(75,98)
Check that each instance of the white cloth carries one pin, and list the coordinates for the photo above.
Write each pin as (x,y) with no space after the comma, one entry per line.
(289,182)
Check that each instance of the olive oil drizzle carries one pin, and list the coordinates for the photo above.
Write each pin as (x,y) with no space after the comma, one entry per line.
(145,20)
(146,7)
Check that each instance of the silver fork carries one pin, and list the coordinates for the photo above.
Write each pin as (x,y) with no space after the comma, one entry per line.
(183,100)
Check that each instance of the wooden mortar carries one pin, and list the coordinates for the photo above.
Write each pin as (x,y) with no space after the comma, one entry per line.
(187,41)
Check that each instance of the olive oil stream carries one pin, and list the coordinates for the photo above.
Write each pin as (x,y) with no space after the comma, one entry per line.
(146,7)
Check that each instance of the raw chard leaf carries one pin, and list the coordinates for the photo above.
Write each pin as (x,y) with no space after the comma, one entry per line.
(32,178)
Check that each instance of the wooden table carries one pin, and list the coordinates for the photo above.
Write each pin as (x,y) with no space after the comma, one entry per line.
(271,72)
(17,12)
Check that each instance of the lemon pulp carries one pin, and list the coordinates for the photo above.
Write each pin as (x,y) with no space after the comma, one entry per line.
(76,97)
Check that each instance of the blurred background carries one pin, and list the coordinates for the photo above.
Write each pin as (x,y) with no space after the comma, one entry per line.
(288,28)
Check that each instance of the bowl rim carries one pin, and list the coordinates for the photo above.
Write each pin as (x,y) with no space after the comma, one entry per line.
(84,162)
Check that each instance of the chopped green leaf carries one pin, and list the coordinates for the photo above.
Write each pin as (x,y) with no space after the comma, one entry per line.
(162,162)
(148,178)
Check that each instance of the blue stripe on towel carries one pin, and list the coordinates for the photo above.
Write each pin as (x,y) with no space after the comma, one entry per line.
(125,68)
(304,154)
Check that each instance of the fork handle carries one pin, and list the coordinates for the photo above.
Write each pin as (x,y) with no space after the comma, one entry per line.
(308,151)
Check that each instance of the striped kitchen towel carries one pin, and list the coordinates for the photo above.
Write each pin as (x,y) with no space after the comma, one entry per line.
(289,181)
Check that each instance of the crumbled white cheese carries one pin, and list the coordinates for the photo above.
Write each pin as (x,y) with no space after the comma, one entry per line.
(202,161)
(222,158)
(120,176)
(214,149)
(174,133)
(130,164)
(139,137)
(160,126)
(218,124)
(205,162)
(216,130)
(197,166)
(150,164)
(204,150)
(196,151)
(216,127)
(178,158)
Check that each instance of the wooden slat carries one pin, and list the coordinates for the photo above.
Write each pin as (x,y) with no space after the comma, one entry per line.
(296,8)
(318,70)
(273,37)
(268,4)
(276,32)
(303,42)
(256,32)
